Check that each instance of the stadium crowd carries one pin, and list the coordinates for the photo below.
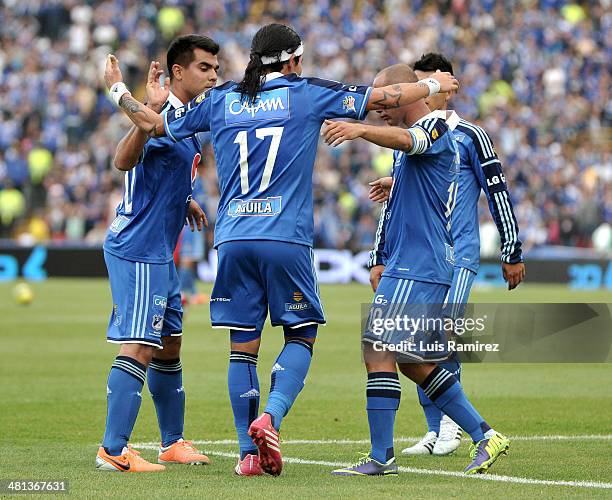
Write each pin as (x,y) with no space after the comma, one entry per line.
(535,74)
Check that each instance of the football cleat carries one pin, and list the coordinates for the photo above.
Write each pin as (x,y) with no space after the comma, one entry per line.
(367,466)
(129,461)
(249,466)
(424,447)
(266,438)
(485,452)
(181,452)
(449,439)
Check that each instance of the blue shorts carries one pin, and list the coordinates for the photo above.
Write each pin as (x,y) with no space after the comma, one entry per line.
(192,245)
(146,302)
(396,299)
(255,276)
(459,292)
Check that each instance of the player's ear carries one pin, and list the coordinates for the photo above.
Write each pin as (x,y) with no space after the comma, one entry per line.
(177,71)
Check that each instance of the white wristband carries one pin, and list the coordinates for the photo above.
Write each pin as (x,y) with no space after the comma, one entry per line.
(117,91)
(432,83)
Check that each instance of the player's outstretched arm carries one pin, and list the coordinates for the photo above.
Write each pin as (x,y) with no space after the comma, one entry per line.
(144,118)
(401,94)
(335,133)
(132,144)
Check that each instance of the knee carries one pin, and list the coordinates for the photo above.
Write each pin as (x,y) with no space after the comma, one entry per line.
(140,352)
(171,348)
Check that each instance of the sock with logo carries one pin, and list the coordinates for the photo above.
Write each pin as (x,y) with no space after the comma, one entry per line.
(432,414)
(165,380)
(445,391)
(383,393)
(287,378)
(123,396)
(243,388)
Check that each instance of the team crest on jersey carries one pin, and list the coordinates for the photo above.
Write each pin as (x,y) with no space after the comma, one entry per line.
(116,316)
(298,296)
(348,104)
(269,105)
(264,207)
(158,322)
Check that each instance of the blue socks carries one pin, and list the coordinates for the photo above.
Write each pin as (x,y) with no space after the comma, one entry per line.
(383,392)
(287,379)
(165,380)
(445,391)
(124,389)
(244,396)
(432,414)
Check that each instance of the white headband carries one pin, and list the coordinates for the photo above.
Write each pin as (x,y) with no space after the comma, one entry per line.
(284,55)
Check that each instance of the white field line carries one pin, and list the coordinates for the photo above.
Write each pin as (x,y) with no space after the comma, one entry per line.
(436,472)
(405,439)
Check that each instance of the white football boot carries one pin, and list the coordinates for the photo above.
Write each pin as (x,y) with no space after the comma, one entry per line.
(450,437)
(424,447)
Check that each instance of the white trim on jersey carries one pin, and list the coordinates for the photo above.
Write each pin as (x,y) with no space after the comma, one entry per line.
(112,341)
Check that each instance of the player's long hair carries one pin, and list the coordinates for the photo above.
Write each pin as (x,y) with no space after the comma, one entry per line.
(269,41)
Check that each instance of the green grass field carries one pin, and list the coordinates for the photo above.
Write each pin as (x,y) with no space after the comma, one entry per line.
(53,401)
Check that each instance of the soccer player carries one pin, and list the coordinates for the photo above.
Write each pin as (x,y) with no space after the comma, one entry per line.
(265,131)
(147,315)
(480,169)
(418,272)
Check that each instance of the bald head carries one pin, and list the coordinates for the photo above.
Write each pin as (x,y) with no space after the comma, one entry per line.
(397,73)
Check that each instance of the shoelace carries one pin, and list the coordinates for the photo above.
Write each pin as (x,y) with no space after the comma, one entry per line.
(188,445)
(365,457)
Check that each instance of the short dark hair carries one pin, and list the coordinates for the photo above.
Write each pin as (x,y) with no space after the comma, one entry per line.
(432,62)
(181,50)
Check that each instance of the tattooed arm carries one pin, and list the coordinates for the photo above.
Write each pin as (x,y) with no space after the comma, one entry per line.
(144,118)
(401,94)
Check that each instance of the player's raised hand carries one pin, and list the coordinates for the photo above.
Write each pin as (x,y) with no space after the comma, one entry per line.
(380,189)
(447,81)
(335,133)
(157,94)
(196,217)
(513,274)
(112,72)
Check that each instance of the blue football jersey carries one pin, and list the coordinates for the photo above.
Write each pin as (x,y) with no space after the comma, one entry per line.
(156,197)
(481,170)
(265,151)
(418,242)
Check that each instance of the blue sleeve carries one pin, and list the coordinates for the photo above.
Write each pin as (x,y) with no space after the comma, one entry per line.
(488,171)
(190,119)
(330,99)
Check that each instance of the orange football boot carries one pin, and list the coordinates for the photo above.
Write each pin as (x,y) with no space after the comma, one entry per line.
(129,461)
(181,452)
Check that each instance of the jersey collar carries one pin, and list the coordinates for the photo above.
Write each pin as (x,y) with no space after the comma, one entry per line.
(174,101)
(450,117)
(272,76)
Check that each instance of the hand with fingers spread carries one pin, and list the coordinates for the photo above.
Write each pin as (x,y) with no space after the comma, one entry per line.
(196,217)
(380,189)
(335,133)
(513,274)
(157,94)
